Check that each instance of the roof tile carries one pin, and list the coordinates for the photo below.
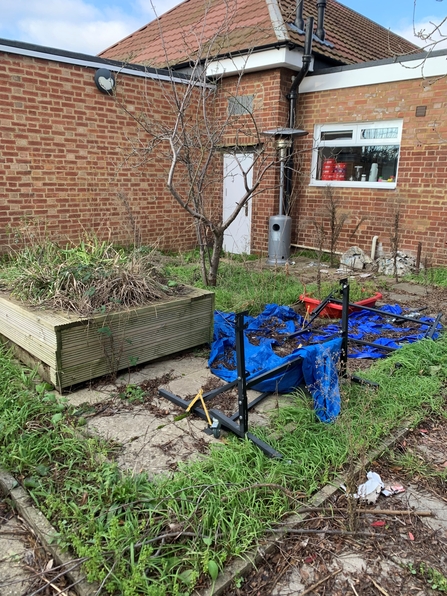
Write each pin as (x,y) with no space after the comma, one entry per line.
(226,26)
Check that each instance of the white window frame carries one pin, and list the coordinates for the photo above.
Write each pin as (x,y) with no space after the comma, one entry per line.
(356,141)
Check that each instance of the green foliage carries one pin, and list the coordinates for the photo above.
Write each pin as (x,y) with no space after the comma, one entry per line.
(436,276)
(312,254)
(159,536)
(435,579)
(243,286)
(90,277)
(358,290)
(132,393)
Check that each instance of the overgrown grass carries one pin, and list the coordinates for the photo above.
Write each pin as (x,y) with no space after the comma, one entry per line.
(161,537)
(358,290)
(308,253)
(90,277)
(435,276)
(241,286)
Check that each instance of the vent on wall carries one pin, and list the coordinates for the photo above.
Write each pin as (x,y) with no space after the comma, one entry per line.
(241,104)
(421,110)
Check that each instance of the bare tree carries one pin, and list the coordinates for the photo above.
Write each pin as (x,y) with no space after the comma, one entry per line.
(206,116)
(336,220)
(433,35)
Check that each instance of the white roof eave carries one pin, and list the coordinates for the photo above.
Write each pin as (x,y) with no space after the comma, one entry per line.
(273,58)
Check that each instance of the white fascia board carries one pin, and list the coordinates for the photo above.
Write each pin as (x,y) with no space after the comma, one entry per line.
(435,66)
(92,63)
(274,58)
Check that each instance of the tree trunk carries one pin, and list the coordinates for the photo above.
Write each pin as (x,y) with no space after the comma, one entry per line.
(201,239)
(215,257)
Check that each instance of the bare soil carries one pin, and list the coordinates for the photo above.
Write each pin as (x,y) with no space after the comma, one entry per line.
(342,550)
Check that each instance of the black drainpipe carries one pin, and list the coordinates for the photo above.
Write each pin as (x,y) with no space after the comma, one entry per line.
(292,97)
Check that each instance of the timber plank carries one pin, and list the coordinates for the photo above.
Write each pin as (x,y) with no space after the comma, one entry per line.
(73,349)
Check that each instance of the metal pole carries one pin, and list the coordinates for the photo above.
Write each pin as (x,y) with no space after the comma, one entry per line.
(344,327)
(281,182)
(283,145)
(241,374)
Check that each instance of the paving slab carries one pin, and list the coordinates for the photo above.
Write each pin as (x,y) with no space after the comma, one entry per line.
(293,584)
(155,443)
(409,288)
(14,576)
(88,395)
(151,444)
(419,499)
(393,297)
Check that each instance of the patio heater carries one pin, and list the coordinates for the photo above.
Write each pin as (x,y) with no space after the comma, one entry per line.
(280,226)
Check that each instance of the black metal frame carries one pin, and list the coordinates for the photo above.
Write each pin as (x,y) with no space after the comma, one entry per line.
(238,422)
(428,334)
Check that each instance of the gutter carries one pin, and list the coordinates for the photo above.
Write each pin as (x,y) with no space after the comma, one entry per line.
(87,61)
(277,45)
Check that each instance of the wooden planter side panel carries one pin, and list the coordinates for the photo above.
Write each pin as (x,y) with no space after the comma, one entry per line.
(74,350)
(117,341)
(33,331)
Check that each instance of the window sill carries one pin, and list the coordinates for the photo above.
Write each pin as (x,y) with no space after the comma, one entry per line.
(352,184)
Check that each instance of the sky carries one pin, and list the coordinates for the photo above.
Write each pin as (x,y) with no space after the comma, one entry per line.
(89,26)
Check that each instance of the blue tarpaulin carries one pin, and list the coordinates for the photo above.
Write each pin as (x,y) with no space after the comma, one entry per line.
(318,365)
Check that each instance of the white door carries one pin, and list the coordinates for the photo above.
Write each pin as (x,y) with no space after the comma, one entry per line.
(237,235)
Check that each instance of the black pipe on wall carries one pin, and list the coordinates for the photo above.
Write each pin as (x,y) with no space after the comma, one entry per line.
(299,21)
(292,97)
(320,32)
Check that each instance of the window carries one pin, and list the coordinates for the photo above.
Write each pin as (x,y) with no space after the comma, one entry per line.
(365,154)
(240,105)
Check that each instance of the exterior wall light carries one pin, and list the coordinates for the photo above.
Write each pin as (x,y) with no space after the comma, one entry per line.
(105,81)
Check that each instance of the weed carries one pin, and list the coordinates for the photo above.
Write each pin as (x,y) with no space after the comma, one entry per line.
(435,579)
(311,254)
(91,277)
(159,536)
(357,290)
(436,276)
(243,287)
(132,393)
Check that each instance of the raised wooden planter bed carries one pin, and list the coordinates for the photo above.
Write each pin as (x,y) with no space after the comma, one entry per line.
(69,350)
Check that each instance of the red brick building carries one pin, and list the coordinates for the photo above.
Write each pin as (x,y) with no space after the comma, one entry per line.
(65,149)
(73,155)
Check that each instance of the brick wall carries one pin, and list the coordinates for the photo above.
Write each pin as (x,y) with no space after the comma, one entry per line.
(64,156)
(270,111)
(76,159)
(422,173)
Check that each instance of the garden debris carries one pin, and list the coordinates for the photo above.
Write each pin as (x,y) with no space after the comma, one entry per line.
(395,489)
(401,265)
(92,278)
(355,258)
(370,490)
